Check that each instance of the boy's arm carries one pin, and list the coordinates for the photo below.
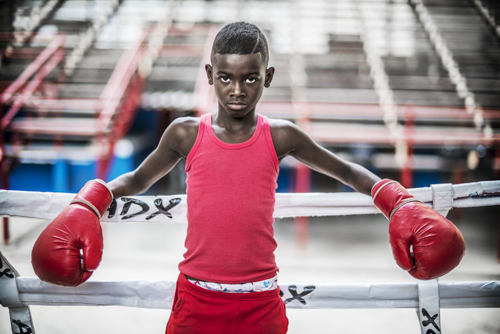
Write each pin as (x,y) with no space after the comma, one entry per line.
(423,242)
(70,248)
(175,144)
(290,140)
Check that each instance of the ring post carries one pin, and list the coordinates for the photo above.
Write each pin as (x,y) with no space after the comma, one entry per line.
(20,315)
(428,307)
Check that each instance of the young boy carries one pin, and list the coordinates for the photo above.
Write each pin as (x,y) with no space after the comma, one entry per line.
(227,281)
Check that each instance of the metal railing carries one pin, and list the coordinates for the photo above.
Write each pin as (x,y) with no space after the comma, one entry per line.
(17,94)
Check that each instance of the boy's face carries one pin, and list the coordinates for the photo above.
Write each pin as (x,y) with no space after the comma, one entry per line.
(238,81)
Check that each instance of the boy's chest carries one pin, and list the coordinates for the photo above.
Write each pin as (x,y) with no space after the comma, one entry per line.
(233,137)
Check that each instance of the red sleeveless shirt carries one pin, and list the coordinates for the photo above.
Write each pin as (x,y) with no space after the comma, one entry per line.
(230,196)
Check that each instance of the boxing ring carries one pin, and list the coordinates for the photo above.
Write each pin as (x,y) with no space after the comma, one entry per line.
(427,297)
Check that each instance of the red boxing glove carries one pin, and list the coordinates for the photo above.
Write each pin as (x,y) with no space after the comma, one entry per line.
(438,245)
(70,248)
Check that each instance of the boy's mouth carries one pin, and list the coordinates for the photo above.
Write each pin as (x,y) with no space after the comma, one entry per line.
(236,105)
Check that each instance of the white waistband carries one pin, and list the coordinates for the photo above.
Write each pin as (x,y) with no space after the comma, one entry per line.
(264,285)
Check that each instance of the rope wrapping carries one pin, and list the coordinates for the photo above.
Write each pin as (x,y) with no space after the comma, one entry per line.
(18,293)
(172,209)
(160,294)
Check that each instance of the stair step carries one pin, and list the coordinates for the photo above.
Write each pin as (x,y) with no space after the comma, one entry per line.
(49,153)
(75,127)
(80,90)
(90,75)
(70,26)
(86,106)
(344,133)
(178,73)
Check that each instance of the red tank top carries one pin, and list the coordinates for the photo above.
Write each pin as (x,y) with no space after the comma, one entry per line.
(230,196)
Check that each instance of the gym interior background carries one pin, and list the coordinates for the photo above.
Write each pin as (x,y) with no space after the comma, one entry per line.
(407,88)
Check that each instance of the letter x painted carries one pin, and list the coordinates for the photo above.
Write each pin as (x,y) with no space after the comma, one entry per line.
(430,320)
(6,272)
(293,290)
(159,205)
(23,329)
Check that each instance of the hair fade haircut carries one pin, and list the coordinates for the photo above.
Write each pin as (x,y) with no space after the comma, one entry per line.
(241,38)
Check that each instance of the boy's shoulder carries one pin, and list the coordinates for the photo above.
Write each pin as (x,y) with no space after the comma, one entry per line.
(282,127)
(287,136)
(185,126)
(188,121)
(180,135)
(278,122)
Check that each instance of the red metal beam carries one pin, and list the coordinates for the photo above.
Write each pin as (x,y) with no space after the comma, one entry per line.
(119,99)
(48,52)
(409,129)
(112,94)
(31,87)
(43,64)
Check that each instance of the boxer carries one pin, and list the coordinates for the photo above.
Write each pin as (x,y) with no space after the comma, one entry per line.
(227,281)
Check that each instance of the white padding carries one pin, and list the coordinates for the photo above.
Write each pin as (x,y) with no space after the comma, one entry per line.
(442,197)
(20,315)
(142,294)
(428,307)
(20,320)
(9,296)
(159,294)
(172,209)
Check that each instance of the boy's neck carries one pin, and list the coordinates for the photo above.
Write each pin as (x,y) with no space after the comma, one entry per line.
(233,130)
(234,124)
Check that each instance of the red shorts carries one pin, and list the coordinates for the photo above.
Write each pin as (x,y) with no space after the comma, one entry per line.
(199,311)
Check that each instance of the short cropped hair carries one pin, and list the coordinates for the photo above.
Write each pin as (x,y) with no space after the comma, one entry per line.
(241,38)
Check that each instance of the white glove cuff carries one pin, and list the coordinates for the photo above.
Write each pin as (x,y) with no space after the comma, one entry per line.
(403,203)
(106,185)
(90,205)
(87,203)
(375,195)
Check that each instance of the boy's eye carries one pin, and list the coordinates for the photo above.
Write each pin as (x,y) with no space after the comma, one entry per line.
(250,80)
(224,79)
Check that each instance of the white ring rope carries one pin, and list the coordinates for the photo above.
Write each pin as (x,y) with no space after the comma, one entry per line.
(428,297)
(160,294)
(172,209)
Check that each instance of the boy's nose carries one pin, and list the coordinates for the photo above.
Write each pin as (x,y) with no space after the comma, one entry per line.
(237,90)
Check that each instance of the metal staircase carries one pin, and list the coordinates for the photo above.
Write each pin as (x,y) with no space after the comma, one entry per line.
(55,110)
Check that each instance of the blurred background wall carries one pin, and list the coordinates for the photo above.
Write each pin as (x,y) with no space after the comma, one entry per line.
(409,89)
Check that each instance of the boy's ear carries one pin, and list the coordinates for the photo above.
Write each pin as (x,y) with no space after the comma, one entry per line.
(269,76)
(208,69)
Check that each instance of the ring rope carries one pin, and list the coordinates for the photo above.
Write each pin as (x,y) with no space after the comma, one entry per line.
(172,209)
(427,296)
(160,294)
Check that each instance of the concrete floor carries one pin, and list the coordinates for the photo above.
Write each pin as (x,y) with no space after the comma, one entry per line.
(350,249)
